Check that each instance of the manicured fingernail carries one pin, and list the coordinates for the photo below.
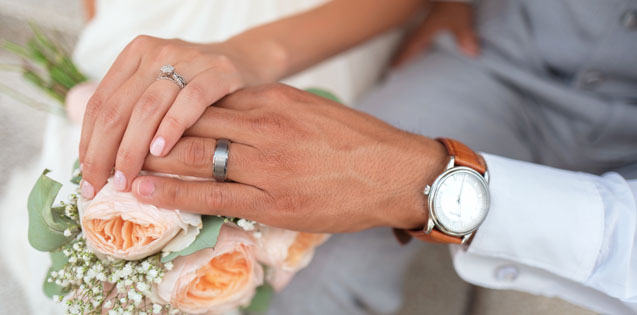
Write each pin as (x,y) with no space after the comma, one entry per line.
(119,180)
(145,188)
(157,146)
(88,191)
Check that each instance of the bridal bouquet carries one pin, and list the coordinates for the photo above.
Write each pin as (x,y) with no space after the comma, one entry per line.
(115,255)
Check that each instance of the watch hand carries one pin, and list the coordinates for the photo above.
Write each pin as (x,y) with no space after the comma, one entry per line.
(461,187)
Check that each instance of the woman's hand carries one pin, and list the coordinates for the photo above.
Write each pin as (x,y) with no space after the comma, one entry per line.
(454,17)
(131,112)
(300,162)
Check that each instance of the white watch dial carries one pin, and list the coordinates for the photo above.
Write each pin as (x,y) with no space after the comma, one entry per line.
(461,202)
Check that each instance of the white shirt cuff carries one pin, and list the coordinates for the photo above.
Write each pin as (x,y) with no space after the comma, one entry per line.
(542,217)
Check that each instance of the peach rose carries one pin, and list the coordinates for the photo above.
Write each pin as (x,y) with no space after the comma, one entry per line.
(214,281)
(117,225)
(286,252)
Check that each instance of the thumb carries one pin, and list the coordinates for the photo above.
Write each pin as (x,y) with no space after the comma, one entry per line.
(467,41)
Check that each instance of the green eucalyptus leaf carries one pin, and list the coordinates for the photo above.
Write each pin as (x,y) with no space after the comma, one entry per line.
(58,260)
(261,300)
(324,93)
(46,225)
(207,238)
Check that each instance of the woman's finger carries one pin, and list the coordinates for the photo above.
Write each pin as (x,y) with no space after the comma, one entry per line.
(125,65)
(192,156)
(147,113)
(107,133)
(467,40)
(415,44)
(204,89)
(209,198)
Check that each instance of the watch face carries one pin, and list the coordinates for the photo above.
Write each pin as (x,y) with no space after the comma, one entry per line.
(461,201)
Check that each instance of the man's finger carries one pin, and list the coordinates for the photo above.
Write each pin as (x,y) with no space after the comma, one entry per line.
(223,123)
(204,197)
(192,156)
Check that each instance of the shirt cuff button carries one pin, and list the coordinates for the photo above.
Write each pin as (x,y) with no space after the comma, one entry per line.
(507,273)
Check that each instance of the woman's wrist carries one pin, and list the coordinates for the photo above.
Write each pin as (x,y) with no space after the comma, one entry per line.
(262,60)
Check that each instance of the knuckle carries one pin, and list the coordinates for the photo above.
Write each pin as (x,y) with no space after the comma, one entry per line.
(223,60)
(95,103)
(89,166)
(110,117)
(126,157)
(196,94)
(215,198)
(224,63)
(147,104)
(174,123)
(288,203)
(172,192)
(166,52)
(141,42)
(269,123)
(194,152)
(273,91)
(276,162)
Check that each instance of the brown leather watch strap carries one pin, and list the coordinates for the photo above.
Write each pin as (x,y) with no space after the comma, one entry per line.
(463,155)
(435,236)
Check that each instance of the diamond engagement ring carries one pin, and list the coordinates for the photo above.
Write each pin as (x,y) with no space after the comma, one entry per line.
(220,160)
(167,72)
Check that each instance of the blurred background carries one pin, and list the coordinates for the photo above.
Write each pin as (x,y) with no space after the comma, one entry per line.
(24,152)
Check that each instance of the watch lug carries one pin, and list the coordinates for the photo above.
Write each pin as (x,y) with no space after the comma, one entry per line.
(486,176)
(427,190)
(451,163)
(466,238)
(430,226)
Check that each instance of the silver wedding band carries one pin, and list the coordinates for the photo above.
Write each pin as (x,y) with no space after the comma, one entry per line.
(220,160)
(167,72)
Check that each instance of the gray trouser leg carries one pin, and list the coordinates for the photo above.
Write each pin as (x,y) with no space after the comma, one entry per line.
(440,95)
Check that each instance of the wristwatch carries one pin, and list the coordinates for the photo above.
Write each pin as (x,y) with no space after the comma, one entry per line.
(458,199)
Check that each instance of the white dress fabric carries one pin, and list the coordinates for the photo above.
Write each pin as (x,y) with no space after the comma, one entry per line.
(119,21)
(116,23)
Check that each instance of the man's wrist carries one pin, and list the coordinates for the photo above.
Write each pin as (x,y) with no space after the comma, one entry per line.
(428,163)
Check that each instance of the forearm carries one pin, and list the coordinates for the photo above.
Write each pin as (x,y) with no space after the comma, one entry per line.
(286,46)
(89,9)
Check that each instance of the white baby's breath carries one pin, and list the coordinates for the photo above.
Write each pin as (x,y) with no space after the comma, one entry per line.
(246,225)
(85,274)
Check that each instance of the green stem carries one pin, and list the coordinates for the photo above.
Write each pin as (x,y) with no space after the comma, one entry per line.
(57,110)
(10,67)
(16,49)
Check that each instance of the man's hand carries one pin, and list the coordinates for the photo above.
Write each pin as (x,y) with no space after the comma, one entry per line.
(454,17)
(300,162)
